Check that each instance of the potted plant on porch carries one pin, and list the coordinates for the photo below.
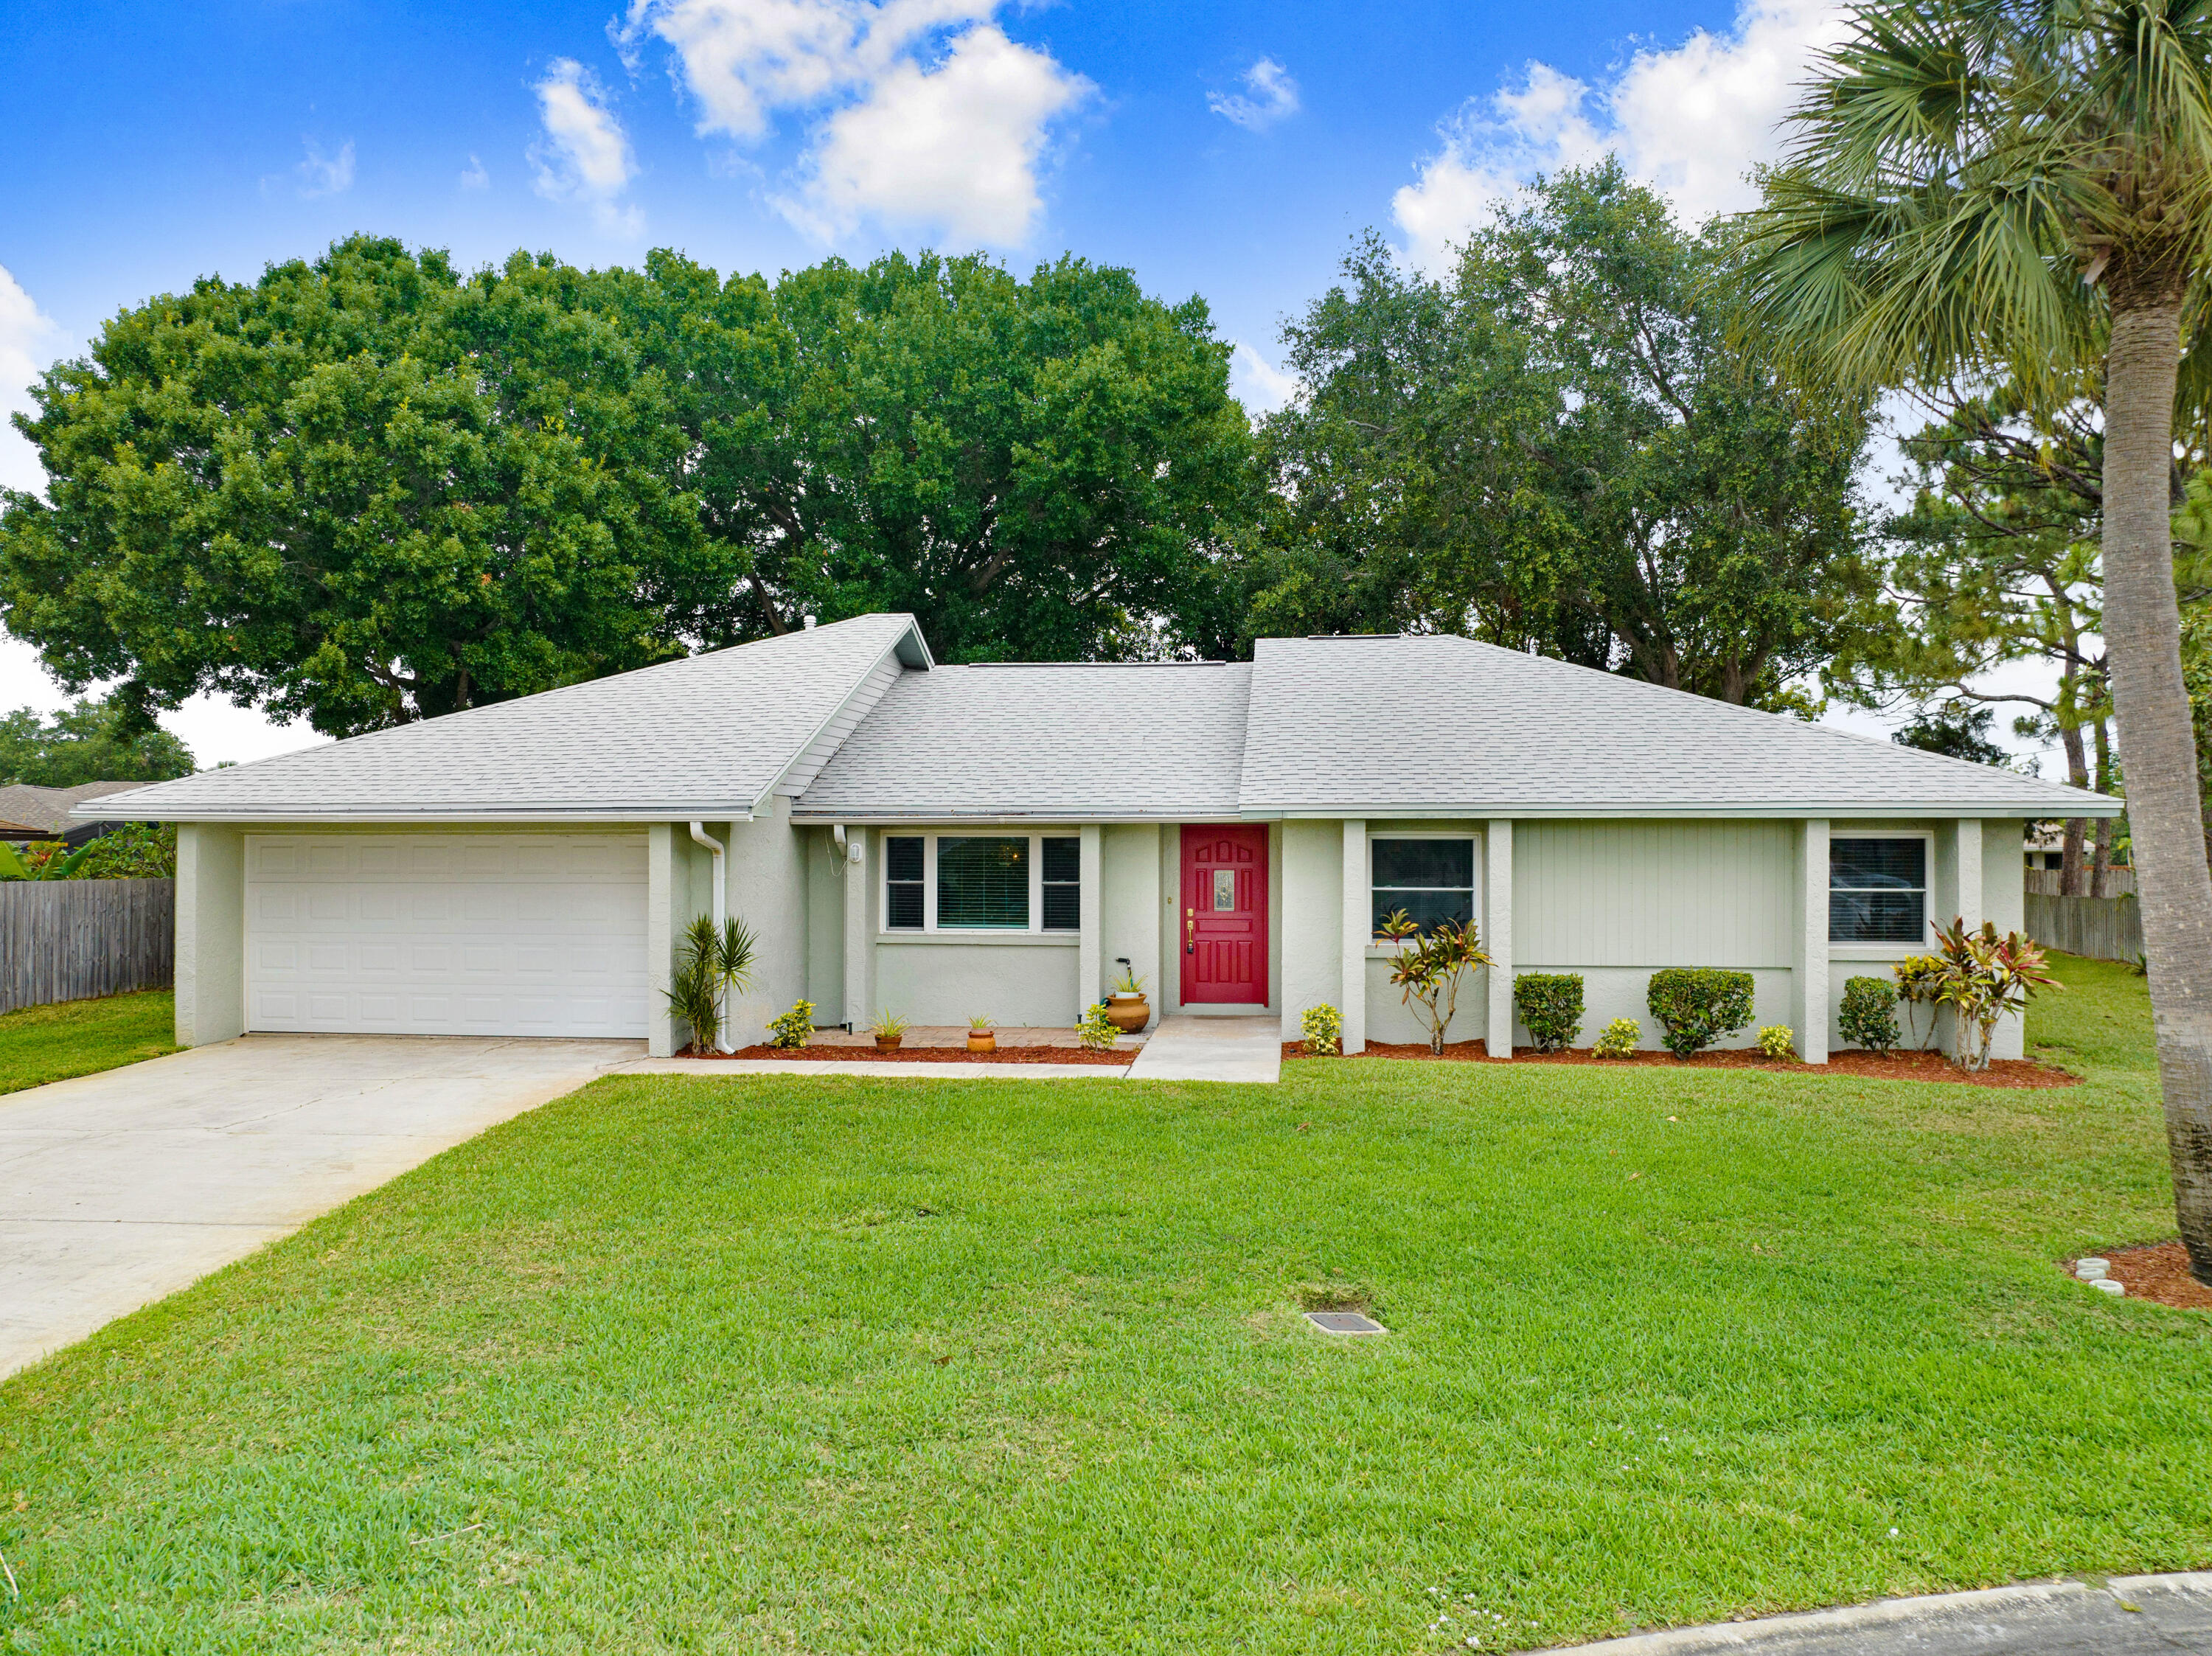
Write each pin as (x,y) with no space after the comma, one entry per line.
(1126,1008)
(889,1031)
(983,1035)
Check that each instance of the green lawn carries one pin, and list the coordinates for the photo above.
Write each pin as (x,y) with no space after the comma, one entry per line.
(851,1365)
(77,1037)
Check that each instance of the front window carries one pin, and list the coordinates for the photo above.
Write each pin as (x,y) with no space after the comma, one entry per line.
(1431,879)
(1878,890)
(973,883)
(983,882)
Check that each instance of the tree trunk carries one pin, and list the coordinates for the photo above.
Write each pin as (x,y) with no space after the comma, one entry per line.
(2077,775)
(2100,865)
(2158,747)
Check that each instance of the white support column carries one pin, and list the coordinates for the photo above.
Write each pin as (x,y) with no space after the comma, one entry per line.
(1808,976)
(1091,895)
(1498,941)
(659,936)
(859,943)
(211,937)
(1358,927)
(1966,864)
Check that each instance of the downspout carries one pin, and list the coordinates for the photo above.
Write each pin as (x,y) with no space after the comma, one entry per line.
(721,909)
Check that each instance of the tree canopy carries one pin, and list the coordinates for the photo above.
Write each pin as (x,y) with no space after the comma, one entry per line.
(1564,444)
(362,490)
(1038,470)
(108,740)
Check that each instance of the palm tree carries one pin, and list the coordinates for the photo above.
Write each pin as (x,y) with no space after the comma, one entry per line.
(1985,187)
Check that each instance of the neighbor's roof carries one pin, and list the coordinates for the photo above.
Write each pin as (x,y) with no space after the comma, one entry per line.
(856,720)
(1343,725)
(707,735)
(25,805)
(1097,739)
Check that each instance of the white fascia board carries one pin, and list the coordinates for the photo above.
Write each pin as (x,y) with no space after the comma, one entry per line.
(2097,805)
(551,814)
(922,819)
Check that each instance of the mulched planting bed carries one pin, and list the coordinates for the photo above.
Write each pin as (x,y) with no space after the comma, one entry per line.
(1898,1066)
(2159,1271)
(926,1055)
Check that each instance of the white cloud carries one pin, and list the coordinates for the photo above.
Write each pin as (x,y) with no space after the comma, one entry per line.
(1258,384)
(26,339)
(929,114)
(1269,95)
(325,175)
(474,176)
(585,156)
(1690,121)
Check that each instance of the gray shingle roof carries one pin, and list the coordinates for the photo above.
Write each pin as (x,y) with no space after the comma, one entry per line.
(1411,723)
(709,734)
(1350,726)
(1102,739)
(46,810)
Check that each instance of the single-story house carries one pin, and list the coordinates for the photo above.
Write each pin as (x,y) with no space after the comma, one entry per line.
(948,842)
(29,812)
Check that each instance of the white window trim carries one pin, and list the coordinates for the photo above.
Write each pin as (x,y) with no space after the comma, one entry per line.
(929,927)
(1376,947)
(1841,951)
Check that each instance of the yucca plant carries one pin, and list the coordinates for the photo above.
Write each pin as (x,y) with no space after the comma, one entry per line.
(710,962)
(1985,190)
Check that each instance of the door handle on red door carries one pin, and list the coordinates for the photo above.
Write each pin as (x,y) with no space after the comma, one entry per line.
(1190,932)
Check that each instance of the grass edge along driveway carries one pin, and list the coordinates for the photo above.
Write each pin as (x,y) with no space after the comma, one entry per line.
(40,1044)
(853,1364)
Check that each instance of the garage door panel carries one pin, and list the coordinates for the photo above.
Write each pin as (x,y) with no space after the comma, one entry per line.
(448,934)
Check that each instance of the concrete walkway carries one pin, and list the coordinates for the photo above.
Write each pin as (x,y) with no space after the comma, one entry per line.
(1186,1048)
(2125,1616)
(707,1070)
(117,1189)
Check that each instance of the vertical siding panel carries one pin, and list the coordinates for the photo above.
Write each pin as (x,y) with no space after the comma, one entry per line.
(1654,894)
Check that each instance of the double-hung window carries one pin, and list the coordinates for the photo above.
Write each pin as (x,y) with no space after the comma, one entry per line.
(982,883)
(1878,889)
(1431,877)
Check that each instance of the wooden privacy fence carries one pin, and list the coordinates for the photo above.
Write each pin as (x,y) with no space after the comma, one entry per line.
(2119,881)
(2103,928)
(72,939)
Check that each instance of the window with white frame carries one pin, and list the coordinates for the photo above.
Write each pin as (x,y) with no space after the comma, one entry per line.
(1878,889)
(982,883)
(1430,876)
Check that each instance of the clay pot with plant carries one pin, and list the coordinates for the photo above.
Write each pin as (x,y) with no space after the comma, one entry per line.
(1126,1007)
(888,1032)
(983,1035)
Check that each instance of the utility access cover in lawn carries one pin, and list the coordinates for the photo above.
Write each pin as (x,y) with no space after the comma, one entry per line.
(1345,1322)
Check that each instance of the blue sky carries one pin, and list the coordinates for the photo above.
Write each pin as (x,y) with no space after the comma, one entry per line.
(1231,150)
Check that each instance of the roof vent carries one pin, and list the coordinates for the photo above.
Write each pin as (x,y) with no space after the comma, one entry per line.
(1326,638)
(808,623)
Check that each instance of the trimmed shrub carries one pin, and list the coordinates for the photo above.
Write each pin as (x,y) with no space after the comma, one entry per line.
(1551,1005)
(1778,1041)
(1323,1028)
(1868,1017)
(1696,1005)
(1622,1036)
(794,1028)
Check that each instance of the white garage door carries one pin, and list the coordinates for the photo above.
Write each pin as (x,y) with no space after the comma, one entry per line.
(447,934)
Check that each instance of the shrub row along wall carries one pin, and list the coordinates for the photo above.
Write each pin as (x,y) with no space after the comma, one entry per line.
(2103,928)
(73,939)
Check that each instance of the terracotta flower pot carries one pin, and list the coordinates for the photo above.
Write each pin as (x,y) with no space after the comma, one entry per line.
(1128,1013)
(982,1041)
(888,1043)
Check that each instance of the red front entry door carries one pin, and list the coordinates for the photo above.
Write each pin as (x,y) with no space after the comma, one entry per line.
(1225,914)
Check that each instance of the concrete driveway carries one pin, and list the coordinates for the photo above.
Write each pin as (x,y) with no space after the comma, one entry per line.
(117,1189)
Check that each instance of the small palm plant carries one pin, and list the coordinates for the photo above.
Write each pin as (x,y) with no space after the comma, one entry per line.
(710,962)
(1427,968)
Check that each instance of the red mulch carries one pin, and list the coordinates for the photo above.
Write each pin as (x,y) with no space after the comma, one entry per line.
(1897,1066)
(924,1055)
(2160,1273)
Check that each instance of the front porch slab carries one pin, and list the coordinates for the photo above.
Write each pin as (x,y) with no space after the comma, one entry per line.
(1185,1048)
